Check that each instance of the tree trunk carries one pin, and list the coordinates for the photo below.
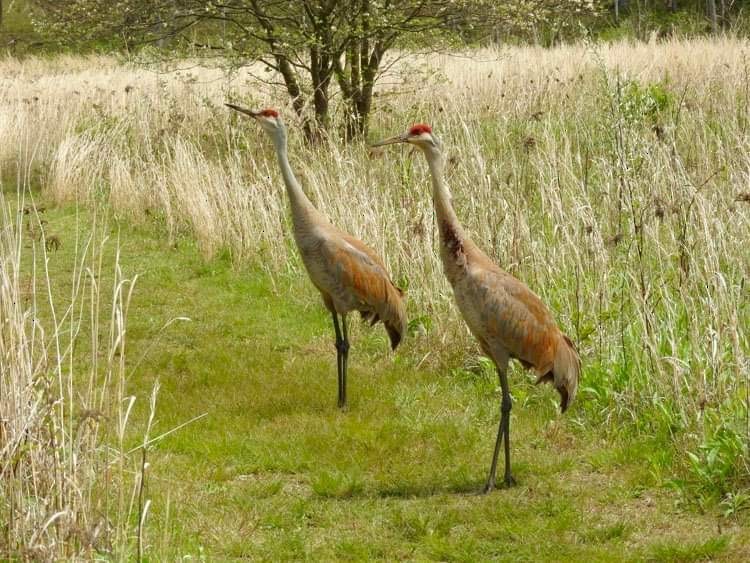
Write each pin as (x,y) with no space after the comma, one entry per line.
(712,15)
(320,72)
(357,79)
(352,78)
(293,89)
(638,20)
(357,84)
(285,68)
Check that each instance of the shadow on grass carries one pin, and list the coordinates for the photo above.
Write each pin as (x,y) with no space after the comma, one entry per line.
(470,487)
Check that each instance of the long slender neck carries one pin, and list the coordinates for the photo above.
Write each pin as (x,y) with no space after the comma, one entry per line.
(300,204)
(449,226)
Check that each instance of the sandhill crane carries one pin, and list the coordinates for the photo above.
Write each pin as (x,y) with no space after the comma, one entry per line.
(504,315)
(349,274)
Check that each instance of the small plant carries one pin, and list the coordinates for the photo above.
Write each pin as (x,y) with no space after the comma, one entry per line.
(638,103)
(337,484)
(734,503)
(419,326)
(718,463)
(682,552)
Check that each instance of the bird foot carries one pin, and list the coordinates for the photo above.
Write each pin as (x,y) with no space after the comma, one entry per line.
(509,482)
(488,487)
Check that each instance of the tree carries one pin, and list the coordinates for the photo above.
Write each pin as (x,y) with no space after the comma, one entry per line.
(311,44)
(711,6)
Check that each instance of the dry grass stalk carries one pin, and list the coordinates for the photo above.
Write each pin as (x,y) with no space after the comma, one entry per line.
(65,473)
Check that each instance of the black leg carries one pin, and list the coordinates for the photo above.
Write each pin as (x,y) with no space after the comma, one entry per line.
(344,358)
(339,359)
(503,430)
(507,404)
(493,468)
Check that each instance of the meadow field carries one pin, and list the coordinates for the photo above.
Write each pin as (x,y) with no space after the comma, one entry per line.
(168,372)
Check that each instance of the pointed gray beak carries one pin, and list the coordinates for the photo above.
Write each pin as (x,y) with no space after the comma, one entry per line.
(251,113)
(392,140)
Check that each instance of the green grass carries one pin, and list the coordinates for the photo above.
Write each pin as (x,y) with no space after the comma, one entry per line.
(274,471)
(700,551)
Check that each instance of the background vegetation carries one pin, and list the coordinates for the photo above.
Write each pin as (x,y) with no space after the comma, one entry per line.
(319,50)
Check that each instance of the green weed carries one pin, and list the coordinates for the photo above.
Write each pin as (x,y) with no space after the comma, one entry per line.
(680,552)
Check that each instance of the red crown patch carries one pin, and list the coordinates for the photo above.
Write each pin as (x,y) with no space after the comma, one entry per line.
(420,128)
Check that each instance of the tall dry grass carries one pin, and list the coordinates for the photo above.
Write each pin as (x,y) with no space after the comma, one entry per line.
(610,178)
(69,488)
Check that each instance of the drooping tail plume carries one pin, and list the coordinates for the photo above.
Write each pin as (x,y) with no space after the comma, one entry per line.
(566,371)
(395,320)
(394,335)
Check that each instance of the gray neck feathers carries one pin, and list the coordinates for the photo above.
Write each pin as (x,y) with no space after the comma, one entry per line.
(298,200)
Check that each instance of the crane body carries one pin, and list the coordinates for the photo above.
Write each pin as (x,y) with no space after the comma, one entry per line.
(349,275)
(508,320)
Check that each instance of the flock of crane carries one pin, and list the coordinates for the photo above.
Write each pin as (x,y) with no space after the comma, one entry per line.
(502,313)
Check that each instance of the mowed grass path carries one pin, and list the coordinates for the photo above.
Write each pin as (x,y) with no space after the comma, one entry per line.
(275,471)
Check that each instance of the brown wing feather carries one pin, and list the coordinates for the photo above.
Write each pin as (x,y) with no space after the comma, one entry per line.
(363,248)
(523,325)
(361,281)
(517,319)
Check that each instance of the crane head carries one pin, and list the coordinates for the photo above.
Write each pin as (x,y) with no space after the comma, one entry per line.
(268,118)
(419,135)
